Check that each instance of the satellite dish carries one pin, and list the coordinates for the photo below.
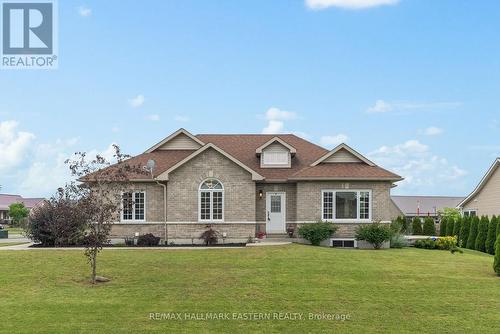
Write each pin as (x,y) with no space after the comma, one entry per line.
(151,164)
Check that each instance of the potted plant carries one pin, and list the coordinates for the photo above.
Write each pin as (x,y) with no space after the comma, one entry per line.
(290,230)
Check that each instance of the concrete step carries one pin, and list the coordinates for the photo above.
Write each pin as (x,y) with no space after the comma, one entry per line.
(276,235)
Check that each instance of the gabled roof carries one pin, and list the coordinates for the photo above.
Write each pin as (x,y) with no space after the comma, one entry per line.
(423,205)
(342,147)
(6,200)
(242,148)
(255,176)
(481,184)
(276,140)
(172,136)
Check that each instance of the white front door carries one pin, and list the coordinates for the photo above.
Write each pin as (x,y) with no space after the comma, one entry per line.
(275,212)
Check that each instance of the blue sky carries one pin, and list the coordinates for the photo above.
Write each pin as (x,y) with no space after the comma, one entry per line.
(413,84)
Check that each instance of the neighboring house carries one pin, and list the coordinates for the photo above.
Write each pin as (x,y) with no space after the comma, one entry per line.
(7,200)
(425,206)
(485,199)
(246,184)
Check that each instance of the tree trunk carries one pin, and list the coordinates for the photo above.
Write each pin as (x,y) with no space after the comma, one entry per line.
(94,264)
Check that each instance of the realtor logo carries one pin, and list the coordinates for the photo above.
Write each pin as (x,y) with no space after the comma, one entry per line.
(29,34)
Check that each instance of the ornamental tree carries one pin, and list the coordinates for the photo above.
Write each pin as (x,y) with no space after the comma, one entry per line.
(471,240)
(464,232)
(100,196)
(442,227)
(417,226)
(496,262)
(429,228)
(482,233)
(491,237)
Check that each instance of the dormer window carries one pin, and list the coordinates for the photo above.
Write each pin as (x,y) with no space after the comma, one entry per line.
(275,157)
(276,153)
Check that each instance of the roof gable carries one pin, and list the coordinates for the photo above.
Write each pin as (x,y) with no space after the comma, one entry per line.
(482,183)
(275,140)
(255,176)
(342,154)
(179,140)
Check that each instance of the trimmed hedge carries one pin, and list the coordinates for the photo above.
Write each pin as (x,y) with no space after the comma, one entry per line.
(429,228)
(416,226)
(471,240)
(376,234)
(491,237)
(464,232)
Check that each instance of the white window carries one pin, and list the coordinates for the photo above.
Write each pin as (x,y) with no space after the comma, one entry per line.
(346,205)
(134,206)
(211,201)
(470,213)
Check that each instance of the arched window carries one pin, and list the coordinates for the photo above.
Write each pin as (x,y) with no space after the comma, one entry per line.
(211,201)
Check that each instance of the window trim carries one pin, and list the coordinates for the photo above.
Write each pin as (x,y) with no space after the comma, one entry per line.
(469,212)
(133,206)
(211,201)
(358,204)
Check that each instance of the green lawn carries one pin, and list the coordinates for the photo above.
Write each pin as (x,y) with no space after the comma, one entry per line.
(398,291)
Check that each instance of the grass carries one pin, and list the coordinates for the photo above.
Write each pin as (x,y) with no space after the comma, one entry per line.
(395,291)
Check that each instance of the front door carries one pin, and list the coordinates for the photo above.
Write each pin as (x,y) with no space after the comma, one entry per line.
(275,212)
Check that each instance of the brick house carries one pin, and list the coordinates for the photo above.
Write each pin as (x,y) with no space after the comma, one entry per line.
(246,184)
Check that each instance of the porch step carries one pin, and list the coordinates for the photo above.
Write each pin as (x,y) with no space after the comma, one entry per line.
(277,236)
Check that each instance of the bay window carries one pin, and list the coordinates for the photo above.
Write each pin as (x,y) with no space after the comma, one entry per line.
(346,205)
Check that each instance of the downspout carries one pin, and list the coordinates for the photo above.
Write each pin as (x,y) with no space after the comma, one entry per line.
(164,209)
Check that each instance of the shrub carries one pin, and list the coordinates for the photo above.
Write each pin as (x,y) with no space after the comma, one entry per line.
(317,232)
(482,233)
(60,221)
(210,236)
(471,240)
(446,243)
(450,227)
(442,226)
(18,213)
(416,226)
(429,228)
(398,241)
(396,225)
(464,231)
(376,234)
(491,237)
(496,263)
(425,243)
(457,228)
(148,240)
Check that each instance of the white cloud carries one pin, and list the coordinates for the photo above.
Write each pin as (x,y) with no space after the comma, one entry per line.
(380,107)
(332,141)
(84,11)
(15,145)
(276,120)
(402,107)
(137,101)
(424,171)
(348,4)
(182,119)
(433,131)
(153,117)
